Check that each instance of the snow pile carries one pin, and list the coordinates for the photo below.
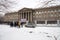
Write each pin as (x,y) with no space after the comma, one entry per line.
(38,33)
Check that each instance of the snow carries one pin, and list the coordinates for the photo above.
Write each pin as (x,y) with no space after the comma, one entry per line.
(48,25)
(38,33)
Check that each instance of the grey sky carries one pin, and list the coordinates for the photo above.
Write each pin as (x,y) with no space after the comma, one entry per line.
(29,3)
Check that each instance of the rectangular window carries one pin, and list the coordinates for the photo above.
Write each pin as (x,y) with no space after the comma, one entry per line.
(51,22)
(40,22)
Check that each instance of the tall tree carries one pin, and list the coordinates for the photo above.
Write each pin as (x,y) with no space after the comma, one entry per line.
(5,4)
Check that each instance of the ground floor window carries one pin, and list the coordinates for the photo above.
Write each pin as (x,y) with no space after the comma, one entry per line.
(51,22)
(40,22)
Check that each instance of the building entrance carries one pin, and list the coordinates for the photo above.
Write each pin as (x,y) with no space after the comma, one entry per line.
(26,17)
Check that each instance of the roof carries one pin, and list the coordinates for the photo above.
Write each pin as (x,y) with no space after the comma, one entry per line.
(47,8)
(25,9)
(11,13)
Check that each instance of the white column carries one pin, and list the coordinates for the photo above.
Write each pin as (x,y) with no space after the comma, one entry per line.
(23,15)
(26,22)
(28,16)
(20,16)
(35,22)
(58,22)
(46,22)
(31,17)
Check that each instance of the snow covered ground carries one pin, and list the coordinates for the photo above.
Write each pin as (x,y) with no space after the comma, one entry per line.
(38,33)
(48,25)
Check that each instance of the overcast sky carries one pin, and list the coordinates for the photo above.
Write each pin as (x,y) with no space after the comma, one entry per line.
(30,4)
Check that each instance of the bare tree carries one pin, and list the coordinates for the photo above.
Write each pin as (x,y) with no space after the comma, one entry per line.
(46,3)
(1,18)
(5,4)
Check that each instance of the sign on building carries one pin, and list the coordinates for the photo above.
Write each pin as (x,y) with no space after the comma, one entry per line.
(23,20)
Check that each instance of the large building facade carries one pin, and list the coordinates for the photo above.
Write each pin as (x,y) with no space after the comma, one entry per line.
(9,17)
(49,15)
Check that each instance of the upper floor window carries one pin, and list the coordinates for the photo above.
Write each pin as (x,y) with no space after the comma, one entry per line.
(59,15)
(55,15)
(48,11)
(45,11)
(59,10)
(37,12)
(55,10)
(51,10)
(51,15)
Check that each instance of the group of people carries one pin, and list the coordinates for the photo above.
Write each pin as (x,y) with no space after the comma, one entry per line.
(19,24)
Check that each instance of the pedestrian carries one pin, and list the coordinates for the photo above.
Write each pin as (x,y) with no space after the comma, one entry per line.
(19,24)
(11,24)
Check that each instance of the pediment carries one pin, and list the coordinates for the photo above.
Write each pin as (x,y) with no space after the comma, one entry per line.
(25,9)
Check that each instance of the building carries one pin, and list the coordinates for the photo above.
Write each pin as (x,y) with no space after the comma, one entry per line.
(10,17)
(48,15)
(26,13)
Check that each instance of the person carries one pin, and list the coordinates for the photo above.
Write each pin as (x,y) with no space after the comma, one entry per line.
(19,24)
(11,24)
(22,24)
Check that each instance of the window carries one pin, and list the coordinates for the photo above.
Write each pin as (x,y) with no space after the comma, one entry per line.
(45,12)
(59,14)
(55,15)
(48,11)
(42,12)
(55,10)
(40,22)
(51,22)
(51,10)
(37,12)
(51,15)
(58,10)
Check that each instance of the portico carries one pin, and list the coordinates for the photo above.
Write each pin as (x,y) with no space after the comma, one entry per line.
(26,15)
